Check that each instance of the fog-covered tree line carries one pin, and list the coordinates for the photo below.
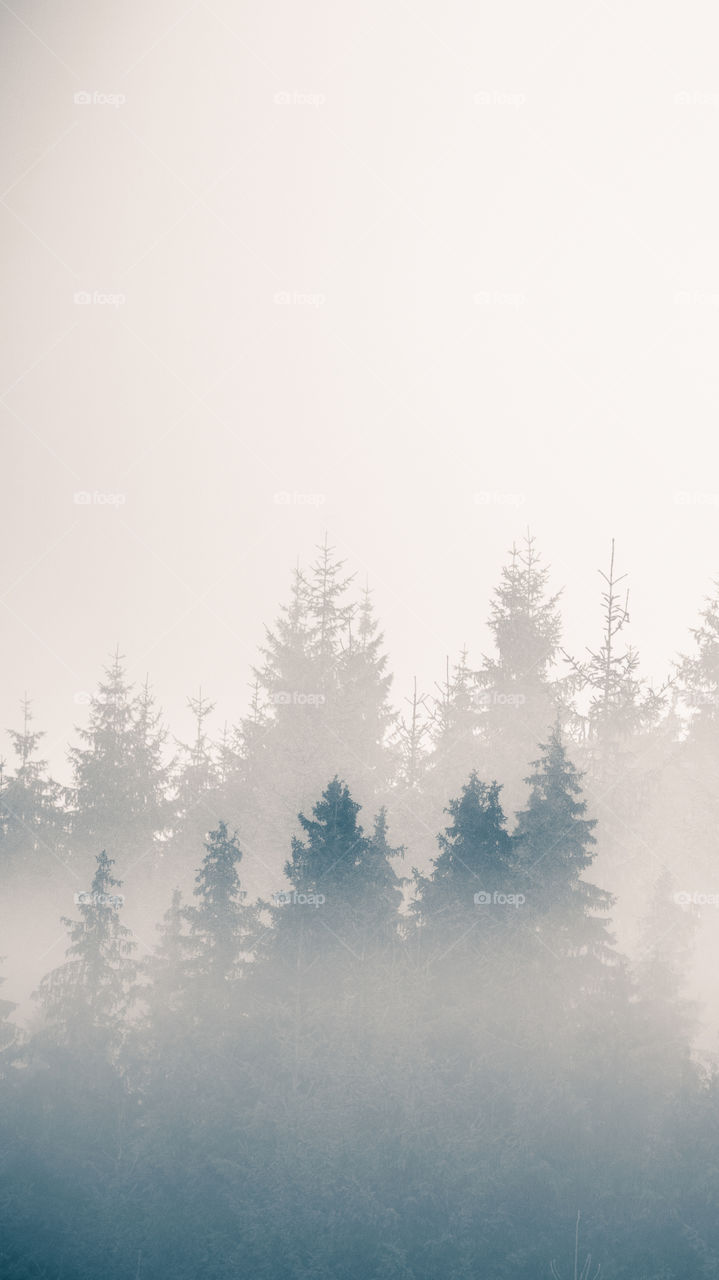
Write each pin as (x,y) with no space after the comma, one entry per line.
(384,1028)
(322,703)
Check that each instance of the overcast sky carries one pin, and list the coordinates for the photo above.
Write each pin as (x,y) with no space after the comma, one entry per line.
(430,272)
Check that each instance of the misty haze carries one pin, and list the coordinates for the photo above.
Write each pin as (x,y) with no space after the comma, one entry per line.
(359,773)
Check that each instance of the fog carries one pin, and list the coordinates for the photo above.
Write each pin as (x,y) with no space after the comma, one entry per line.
(343,348)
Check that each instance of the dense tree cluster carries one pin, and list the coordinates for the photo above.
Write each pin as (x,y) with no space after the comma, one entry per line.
(384,1029)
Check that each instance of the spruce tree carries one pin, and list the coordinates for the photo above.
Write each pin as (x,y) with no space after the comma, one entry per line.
(455,730)
(622,752)
(518,692)
(344,893)
(118,800)
(31,819)
(324,694)
(475,876)
(221,927)
(362,718)
(85,1000)
(698,678)
(621,703)
(196,799)
(555,843)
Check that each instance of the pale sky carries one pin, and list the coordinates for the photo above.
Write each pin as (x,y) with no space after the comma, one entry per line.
(380,258)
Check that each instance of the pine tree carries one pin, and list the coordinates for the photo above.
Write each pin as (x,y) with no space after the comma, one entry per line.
(455,729)
(324,694)
(698,677)
(555,842)
(518,693)
(118,797)
(31,820)
(85,1000)
(620,701)
(623,751)
(221,926)
(196,798)
(411,735)
(474,875)
(363,719)
(165,970)
(344,893)
(524,621)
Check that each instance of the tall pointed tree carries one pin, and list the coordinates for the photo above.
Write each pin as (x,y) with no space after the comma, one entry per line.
(196,796)
(623,750)
(698,677)
(519,692)
(324,690)
(221,926)
(475,869)
(118,797)
(344,894)
(555,842)
(85,1000)
(31,819)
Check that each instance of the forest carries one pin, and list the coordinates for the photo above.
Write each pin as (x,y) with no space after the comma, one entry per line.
(381,983)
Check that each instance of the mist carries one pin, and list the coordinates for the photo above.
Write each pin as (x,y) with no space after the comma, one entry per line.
(360,696)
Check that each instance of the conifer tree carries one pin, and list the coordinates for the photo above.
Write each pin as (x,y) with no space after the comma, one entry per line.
(31,819)
(411,735)
(345,894)
(363,720)
(455,729)
(518,692)
(623,750)
(473,873)
(221,926)
(85,1000)
(620,702)
(118,798)
(555,842)
(698,678)
(165,970)
(324,694)
(196,797)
